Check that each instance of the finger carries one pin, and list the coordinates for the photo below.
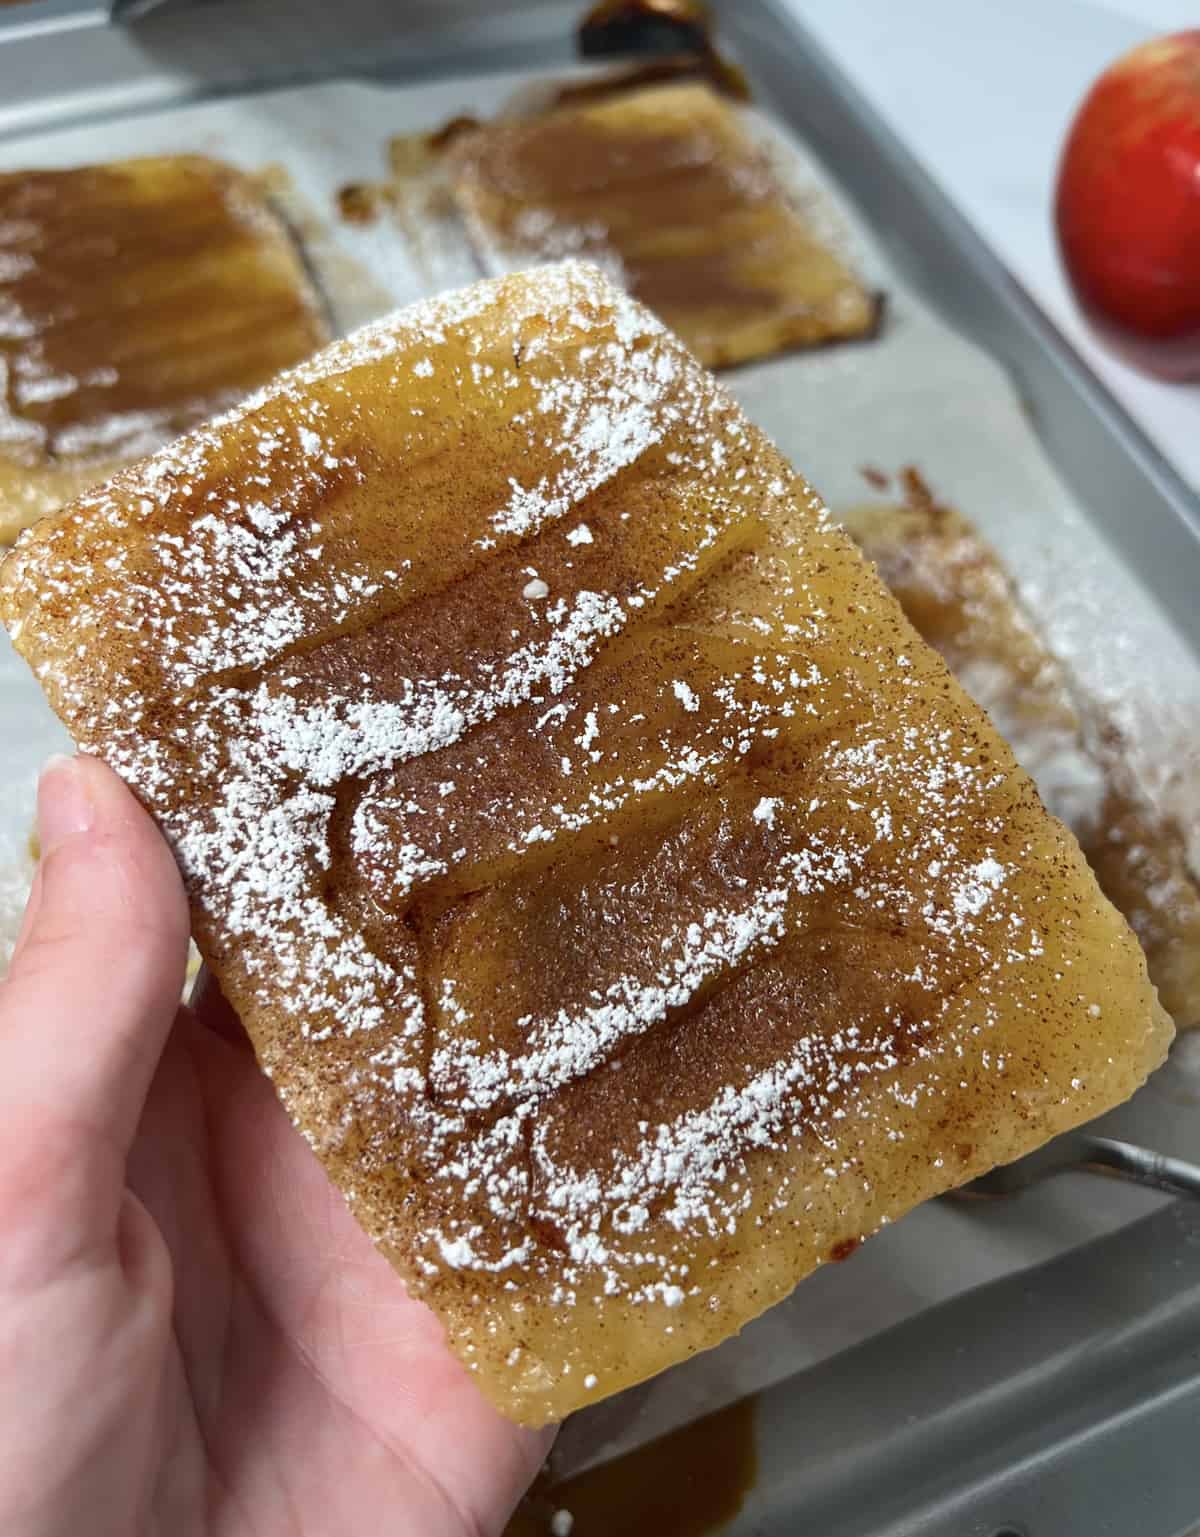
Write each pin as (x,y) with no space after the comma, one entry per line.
(31,909)
(214,1011)
(87,1004)
(333,1295)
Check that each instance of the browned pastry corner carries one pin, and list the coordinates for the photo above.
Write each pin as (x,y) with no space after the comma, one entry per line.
(628,906)
(954,588)
(139,297)
(668,190)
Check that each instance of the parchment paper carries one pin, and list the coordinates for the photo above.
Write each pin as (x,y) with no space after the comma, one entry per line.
(918,394)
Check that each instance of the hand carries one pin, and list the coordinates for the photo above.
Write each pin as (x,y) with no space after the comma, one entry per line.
(196,1339)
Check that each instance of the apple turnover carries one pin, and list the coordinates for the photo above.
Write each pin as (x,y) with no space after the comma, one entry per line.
(629,908)
(136,298)
(667,189)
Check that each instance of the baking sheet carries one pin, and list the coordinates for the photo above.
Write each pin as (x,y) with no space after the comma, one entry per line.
(919,394)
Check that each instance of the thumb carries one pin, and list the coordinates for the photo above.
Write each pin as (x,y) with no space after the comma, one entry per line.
(94,984)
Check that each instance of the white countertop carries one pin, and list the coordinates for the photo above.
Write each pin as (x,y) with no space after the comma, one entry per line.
(983,93)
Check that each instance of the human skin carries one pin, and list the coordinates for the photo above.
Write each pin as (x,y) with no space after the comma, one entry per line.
(196,1339)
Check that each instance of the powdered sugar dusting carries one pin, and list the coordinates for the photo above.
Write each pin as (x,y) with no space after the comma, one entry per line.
(544,847)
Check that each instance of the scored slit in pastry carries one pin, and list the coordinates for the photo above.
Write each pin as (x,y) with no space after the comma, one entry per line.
(667,189)
(137,298)
(954,588)
(628,906)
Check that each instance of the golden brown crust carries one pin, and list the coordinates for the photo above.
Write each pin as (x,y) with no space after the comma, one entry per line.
(627,905)
(665,187)
(141,296)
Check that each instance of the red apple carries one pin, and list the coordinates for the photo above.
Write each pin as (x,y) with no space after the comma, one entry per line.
(1128,206)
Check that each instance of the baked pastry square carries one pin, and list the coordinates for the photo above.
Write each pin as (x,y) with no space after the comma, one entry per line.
(666,188)
(956,591)
(628,907)
(136,299)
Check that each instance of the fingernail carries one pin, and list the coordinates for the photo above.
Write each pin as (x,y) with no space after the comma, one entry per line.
(65,806)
